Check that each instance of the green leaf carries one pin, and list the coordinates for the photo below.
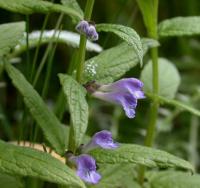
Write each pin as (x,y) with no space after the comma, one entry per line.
(51,127)
(25,161)
(149,12)
(74,5)
(117,175)
(9,181)
(10,34)
(65,37)
(169,78)
(38,6)
(130,153)
(78,107)
(176,103)
(113,63)
(125,33)
(169,179)
(180,26)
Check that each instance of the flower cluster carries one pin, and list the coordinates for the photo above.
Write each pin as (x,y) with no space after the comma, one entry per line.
(86,165)
(87,29)
(124,92)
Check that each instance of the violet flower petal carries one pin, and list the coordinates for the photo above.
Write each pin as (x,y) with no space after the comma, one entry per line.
(104,140)
(131,85)
(127,100)
(86,169)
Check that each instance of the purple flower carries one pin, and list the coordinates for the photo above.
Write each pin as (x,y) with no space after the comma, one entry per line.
(86,168)
(87,29)
(101,139)
(124,92)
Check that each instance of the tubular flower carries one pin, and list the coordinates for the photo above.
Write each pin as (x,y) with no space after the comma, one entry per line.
(86,168)
(87,29)
(101,139)
(124,92)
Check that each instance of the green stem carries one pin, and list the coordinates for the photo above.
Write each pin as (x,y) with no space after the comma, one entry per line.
(80,68)
(149,139)
(81,65)
(155,103)
(38,47)
(27,44)
(83,40)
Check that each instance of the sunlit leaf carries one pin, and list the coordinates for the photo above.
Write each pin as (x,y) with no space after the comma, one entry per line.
(25,161)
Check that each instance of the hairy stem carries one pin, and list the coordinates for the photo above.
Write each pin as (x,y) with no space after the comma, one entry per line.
(149,139)
(81,65)
(83,40)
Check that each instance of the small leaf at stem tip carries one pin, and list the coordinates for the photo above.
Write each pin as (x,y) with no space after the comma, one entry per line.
(127,34)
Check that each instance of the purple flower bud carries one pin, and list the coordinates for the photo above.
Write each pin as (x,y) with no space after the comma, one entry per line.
(101,139)
(91,33)
(86,168)
(82,27)
(124,92)
(87,29)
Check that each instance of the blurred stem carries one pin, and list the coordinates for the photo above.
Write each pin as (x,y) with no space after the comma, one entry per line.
(81,65)
(193,141)
(149,139)
(27,45)
(38,46)
(83,40)
(48,73)
(39,70)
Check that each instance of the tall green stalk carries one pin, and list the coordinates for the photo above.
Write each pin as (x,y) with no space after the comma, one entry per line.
(83,40)
(81,65)
(149,139)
